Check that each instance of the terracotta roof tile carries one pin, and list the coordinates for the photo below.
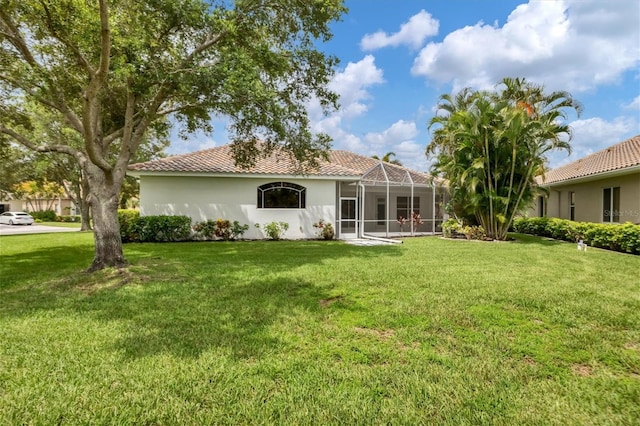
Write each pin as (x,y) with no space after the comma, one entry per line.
(220,160)
(617,157)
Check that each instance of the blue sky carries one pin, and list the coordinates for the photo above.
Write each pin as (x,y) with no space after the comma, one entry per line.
(398,56)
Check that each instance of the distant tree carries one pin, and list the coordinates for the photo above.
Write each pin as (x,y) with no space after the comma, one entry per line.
(489,145)
(39,195)
(111,71)
(14,168)
(387,158)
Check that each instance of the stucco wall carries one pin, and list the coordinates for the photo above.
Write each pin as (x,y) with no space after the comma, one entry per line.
(589,199)
(61,206)
(203,198)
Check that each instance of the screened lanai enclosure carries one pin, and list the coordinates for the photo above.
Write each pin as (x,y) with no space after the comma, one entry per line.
(390,201)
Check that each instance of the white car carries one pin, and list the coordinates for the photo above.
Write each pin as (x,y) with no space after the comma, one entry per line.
(16,218)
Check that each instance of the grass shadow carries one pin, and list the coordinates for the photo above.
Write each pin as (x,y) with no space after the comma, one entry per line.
(30,266)
(181,298)
(532,239)
(233,319)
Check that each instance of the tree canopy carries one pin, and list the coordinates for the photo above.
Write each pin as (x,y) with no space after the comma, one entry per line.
(388,158)
(110,71)
(490,145)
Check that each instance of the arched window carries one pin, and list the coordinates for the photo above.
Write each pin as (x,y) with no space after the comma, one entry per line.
(281,195)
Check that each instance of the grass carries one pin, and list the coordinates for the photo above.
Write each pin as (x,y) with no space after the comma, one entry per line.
(62,224)
(429,332)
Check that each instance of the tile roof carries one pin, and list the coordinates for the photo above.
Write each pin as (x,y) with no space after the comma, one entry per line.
(219,160)
(623,155)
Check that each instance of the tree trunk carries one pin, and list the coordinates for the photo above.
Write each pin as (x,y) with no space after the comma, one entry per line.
(85,216)
(104,199)
(83,203)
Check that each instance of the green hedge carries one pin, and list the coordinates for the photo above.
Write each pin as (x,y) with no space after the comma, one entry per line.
(136,228)
(619,237)
(68,218)
(128,225)
(44,216)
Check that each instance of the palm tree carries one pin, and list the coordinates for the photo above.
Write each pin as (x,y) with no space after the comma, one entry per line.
(489,146)
(387,158)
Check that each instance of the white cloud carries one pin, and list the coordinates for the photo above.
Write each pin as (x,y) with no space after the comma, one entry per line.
(634,104)
(400,139)
(398,132)
(565,44)
(412,33)
(352,85)
(594,134)
(411,154)
(342,139)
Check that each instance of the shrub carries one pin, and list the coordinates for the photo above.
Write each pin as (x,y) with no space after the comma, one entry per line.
(68,218)
(451,227)
(44,215)
(129,225)
(164,228)
(223,229)
(325,230)
(274,230)
(136,228)
(475,232)
(624,238)
(205,230)
(220,229)
(238,230)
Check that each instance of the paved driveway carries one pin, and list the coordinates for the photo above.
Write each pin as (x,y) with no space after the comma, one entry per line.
(32,229)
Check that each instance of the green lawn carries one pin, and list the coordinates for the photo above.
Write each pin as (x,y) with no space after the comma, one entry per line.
(428,332)
(62,224)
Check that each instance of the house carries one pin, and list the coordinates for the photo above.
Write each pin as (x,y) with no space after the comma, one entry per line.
(360,196)
(60,205)
(601,187)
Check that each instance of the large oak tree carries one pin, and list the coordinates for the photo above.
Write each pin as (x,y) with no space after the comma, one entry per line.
(113,70)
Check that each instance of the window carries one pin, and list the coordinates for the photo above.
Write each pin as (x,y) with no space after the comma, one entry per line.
(611,204)
(281,195)
(541,206)
(404,208)
(572,205)
(381,210)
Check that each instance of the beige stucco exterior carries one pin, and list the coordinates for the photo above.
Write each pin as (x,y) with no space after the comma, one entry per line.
(235,198)
(61,206)
(589,204)
(203,197)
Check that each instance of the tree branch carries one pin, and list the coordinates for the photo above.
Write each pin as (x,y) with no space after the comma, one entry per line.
(108,140)
(62,107)
(204,46)
(49,22)
(168,111)
(90,113)
(63,149)
(16,38)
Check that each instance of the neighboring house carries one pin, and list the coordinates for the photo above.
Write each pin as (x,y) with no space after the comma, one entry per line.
(357,194)
(601,187)
(60,205)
